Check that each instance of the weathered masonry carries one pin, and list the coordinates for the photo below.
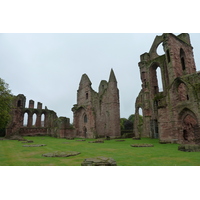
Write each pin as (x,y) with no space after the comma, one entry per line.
(97,114)
(173,113)
(36,121)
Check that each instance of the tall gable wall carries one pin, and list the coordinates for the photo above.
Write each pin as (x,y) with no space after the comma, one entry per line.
(100,109)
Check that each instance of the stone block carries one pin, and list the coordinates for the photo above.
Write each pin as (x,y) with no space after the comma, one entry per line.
(34,145)
(99,161)
(189,147)
(61,154)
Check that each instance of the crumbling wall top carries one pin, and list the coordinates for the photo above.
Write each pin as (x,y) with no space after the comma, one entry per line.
(102,86)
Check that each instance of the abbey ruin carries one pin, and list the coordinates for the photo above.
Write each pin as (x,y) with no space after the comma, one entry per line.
(95,114)
(171,114)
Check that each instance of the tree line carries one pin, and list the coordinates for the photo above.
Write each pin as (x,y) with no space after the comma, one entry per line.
(5,105)
(128,124)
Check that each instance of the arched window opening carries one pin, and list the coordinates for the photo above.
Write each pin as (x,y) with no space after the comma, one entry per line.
(34,119)
(159,78)
(25,121)
(168,56)
(182,57)
(140,112)
(85,118)
(189,124)
(140,121)
(183,63)
(87,95)
(156,79)
(43,120)
(160,50)
(19,103)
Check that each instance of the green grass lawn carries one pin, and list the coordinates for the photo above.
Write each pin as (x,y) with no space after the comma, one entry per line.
(12,153)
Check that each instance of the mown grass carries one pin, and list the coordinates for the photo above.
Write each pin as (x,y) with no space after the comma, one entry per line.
(12,153)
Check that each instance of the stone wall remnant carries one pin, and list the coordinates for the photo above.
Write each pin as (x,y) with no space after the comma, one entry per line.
(172,113)
(46,122)
(96,114)
(99,161)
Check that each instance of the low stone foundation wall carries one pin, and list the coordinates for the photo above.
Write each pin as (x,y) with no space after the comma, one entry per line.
(96,141)
(142,145)
(99,161)
(61,154)
(34,145)
(32,131)
(189,147)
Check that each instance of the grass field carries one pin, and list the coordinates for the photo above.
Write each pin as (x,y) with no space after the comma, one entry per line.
(12,153)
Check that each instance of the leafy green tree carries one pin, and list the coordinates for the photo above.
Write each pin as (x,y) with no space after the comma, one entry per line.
(122,121)
(127,124)
(131,118)
(5,104)
(140,119)
(140,125)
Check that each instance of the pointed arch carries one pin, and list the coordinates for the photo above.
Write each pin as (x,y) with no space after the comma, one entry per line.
(34,118)
(180,89)
(25,119)
(189,123)
(185,111)
(160,50)
(43,117)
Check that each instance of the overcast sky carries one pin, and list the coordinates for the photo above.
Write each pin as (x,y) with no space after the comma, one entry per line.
(47,67)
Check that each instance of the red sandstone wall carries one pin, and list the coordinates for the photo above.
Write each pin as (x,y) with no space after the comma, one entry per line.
(175,69)
(102,109)
(169,107)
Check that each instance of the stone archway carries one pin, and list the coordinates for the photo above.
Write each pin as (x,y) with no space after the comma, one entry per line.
(189,129)
(189,124)
(156,78)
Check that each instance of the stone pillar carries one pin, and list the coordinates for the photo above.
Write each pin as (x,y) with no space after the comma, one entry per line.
(38,120)
(30,118)
(39,105)
(31,104)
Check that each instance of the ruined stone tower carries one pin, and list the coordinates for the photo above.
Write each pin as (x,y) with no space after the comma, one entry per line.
(97,114)
(173,113)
